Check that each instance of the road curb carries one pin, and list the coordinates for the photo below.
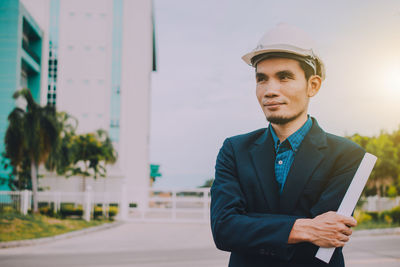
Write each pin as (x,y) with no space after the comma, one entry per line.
(372,232)
(42,240)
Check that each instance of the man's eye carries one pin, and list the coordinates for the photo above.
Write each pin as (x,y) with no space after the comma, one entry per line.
(284,78)
(260,79)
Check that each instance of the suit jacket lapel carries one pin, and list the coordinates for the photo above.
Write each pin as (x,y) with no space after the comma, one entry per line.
(263,156)
(306,160)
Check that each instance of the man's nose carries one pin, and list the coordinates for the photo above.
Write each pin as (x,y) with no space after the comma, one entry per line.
(272,88)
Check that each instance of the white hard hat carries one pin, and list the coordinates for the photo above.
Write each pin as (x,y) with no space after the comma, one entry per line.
(289,40)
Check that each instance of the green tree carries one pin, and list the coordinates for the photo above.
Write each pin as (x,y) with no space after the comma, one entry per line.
(89,155)
(386,171)
(386,168)
(207,183)
(29,138)
(61,158)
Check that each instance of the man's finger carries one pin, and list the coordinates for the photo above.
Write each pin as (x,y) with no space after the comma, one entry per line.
(343,238)
(346,230)
(349,221)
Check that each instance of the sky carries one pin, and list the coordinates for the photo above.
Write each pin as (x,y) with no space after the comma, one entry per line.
(202,91)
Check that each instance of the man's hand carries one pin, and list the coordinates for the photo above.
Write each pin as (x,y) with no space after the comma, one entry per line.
(326,230)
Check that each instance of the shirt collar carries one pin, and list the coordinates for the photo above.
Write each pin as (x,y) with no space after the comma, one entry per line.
(294,139)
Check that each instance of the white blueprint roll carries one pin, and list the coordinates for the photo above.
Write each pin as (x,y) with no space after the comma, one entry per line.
(351,197)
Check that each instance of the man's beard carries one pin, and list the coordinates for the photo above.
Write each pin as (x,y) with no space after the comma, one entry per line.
(279,120)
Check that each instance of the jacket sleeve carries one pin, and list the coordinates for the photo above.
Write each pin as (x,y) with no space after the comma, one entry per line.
(344,171)
(233,228)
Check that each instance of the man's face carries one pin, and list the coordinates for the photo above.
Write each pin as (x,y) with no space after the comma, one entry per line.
(282,89)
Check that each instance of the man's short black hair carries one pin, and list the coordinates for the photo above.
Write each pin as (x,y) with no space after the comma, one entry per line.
(308,70)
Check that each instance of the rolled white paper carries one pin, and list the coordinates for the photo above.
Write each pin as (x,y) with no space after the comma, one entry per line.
(351,197)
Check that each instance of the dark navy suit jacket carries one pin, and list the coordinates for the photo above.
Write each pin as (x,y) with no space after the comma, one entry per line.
(253,221)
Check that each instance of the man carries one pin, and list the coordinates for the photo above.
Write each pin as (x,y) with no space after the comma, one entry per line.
(276,189)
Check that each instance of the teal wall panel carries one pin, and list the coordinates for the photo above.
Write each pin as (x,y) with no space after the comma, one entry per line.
(12,15)
(115,105)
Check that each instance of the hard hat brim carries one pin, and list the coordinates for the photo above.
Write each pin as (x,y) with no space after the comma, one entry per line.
(282,49)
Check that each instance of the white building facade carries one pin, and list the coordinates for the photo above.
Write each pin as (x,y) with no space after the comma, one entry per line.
(101,57)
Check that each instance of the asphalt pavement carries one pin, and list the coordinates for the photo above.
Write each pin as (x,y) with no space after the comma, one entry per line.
(170,244)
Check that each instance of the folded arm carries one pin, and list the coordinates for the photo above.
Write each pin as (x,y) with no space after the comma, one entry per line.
(327,228)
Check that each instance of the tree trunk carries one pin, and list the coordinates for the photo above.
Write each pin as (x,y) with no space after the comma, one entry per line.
(84,178)
(34,172)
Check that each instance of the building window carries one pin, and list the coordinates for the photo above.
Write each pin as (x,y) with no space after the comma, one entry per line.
(52,75)
(114,123)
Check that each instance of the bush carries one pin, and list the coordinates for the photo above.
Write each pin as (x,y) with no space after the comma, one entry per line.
(388,219)
(70,210)
(362,217)
(373,214)
(392,191)
(47,210)
(98,212)
(390,216)
(112,211)
(383,215)
(7,209)
(395,214)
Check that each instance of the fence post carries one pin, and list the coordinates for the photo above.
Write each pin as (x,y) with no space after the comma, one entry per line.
(58,203)
(104,203)
(24,201)
(87,204)
(123,204)
(173,192)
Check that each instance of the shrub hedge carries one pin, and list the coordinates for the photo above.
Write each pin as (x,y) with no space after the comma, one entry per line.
(70,210)
(388,216)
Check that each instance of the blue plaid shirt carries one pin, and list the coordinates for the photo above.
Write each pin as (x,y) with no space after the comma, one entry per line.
(286,151)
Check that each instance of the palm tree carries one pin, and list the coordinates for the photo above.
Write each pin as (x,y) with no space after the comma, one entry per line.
(32,132)
(89,154)
(60,157)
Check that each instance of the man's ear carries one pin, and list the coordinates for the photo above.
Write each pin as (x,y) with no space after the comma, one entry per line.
(314,84)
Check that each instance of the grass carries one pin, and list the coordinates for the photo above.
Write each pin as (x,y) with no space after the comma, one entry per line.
(375,225)
(20,227)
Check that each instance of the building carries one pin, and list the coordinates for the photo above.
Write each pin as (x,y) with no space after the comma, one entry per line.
(22,62)
(100,58)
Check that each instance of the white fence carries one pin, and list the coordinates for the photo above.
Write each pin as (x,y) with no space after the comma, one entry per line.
(160,205)
(174,205)
(189,205)
(15,201)
(376,203)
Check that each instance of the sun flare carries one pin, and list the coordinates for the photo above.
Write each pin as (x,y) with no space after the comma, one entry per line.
(393,80)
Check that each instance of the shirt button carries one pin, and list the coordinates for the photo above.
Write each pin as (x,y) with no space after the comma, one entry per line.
(280,162)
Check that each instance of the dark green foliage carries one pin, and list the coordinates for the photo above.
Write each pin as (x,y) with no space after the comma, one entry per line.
(68,210)
(60,157)
(94,150)
(207,183)
(395,214)
(373,214)
(385,177)
(31,134)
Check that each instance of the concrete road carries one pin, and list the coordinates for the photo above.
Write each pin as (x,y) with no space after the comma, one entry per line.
(382,251)
(167,245)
